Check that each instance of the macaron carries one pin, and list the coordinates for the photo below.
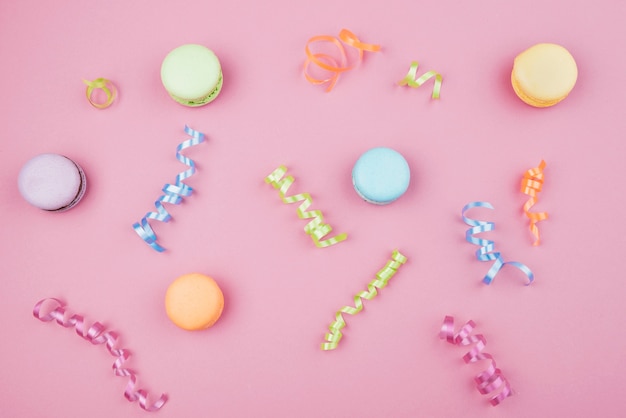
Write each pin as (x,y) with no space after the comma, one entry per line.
(192,75)
(544,74)
(52,182)
(381,175)
(194,301)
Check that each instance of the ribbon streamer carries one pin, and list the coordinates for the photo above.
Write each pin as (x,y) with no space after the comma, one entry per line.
(492,378)
(531,185)
(173,193)
(411,81)
(328,62)
(96,334)
(486,251)
(106,86)
(382,277)
(316,228)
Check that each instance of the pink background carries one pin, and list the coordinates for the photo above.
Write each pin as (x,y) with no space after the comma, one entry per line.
(559,341)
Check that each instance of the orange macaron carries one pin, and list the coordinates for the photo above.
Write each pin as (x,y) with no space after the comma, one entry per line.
(194,301)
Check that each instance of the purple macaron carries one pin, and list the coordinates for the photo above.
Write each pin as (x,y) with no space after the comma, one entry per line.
(52,182)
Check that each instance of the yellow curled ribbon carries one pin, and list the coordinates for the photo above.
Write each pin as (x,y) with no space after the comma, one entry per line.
(531,185)
(382,277)
(411,81)
(101,84)
(316,228)
(328,62)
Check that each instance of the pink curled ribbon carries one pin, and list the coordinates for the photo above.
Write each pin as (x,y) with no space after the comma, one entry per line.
(531,186)
(172,193)
(329,63)
(488,381)
(486,251)
(96,334)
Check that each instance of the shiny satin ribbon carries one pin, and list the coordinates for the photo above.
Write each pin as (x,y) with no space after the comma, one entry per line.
(486,251)
(381,280)
(316,228)
(492,378)
(173,193)
(531,185)
(411,80)
(106,86)
(97,334)
(328,62)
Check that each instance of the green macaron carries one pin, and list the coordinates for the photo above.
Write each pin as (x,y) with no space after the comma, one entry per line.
(192,75)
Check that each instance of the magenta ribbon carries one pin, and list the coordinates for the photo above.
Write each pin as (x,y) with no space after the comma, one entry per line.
(489,380)
(96,334)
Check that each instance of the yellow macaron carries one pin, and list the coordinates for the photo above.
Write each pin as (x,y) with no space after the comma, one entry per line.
(194,301)
(544,74)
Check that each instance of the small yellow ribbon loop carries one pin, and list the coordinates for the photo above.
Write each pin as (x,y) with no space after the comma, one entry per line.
(411,81)
(101,84)
(381,280)
(531,185)
(316,228)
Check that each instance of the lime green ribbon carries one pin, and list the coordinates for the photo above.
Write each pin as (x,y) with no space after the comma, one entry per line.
(381,280)
(411,81)
(106,86)
(316,228)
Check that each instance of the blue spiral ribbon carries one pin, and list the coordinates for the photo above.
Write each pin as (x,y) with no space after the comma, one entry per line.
(486,251)
(173,193)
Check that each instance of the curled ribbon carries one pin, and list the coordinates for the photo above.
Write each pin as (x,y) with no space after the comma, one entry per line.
(101,84)
(411,81)
(96,334)
(173,193)
(316,228)
(328,62)
(531,185)
(382,277)
(489,380)
(486,251)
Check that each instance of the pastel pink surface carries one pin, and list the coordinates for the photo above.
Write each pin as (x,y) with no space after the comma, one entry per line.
(557,341)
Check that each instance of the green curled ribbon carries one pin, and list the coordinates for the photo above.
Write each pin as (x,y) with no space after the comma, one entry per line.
(381,280)
(106,86)
(411,81)
(316,228)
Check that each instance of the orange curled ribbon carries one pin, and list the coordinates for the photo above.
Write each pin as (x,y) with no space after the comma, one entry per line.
(531,185)
(328,62)
(316,228)
(411,81)
(101,84)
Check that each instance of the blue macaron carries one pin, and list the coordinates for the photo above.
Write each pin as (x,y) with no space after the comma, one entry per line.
(381,175)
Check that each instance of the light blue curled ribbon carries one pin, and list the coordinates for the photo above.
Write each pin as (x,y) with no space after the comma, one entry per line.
(173,193)
(486,251)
